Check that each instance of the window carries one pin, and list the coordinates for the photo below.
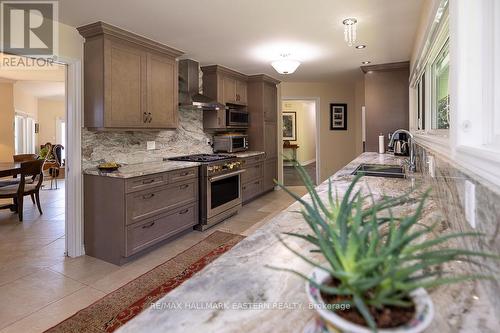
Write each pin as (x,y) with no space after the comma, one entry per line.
(440,90)
(24,134)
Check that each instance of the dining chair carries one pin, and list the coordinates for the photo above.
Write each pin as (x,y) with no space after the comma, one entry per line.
(17,192)
(57,163)
(18,159)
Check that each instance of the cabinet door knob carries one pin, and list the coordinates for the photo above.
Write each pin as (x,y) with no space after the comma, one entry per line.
(150,117)
(145,117)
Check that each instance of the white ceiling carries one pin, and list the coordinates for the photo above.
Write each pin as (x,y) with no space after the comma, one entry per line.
(43,89)
(247,35)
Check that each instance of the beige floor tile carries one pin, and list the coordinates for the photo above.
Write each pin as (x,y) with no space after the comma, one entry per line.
(31,293)
(56,312)
(84,269)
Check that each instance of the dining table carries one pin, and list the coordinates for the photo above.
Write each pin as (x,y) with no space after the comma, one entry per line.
(9,169)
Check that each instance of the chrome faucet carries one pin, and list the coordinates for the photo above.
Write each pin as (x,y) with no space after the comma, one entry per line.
(411,143)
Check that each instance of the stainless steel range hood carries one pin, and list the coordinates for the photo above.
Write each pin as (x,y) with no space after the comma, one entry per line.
(189,88)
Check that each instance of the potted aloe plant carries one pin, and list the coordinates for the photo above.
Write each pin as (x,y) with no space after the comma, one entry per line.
(376,266)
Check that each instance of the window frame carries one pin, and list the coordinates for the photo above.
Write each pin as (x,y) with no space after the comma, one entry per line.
(473,139)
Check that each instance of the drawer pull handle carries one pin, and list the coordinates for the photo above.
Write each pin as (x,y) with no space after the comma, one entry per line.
(149,225)
(257,166)
(183,186)
(149,181)
(244,187)
(184,211)
(148,196)
(184,174)
(257,183)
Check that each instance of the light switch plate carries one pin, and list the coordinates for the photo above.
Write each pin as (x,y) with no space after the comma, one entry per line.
(470,203)
(150,145)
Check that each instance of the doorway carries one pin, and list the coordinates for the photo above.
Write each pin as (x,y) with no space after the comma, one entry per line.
(299,119)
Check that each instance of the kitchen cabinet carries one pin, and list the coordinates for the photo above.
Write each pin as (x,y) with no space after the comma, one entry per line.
(252,180)
(130,82)
(225,85)
(125,217)
(263,129)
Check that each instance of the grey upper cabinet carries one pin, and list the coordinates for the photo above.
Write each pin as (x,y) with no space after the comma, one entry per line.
(263,130)
(129,81)
(225,85)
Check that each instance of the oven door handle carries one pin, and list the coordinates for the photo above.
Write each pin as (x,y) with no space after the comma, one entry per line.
(227,175)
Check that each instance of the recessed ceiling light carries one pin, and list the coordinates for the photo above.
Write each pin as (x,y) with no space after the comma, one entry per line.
(366,62)
(359,47)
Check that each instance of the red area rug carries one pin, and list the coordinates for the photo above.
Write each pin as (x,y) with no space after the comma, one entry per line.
(115,309)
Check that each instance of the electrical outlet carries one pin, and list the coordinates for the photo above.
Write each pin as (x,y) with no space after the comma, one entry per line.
(470,203)
(150,145)
(431,165)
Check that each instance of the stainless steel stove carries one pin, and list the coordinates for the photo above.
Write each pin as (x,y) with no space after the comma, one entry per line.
(220,186)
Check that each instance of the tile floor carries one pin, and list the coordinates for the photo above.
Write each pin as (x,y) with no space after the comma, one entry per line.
(39,286)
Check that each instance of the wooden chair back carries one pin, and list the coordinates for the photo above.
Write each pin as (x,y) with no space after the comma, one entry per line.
(24,157)
(31,169)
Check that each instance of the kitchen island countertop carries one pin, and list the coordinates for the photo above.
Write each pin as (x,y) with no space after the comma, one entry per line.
(142,169)
(239,293)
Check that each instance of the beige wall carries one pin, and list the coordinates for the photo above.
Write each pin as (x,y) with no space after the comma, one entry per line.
(306,128)
(387,104)
(337,148)
(25,102)
(48,112)
(6,122)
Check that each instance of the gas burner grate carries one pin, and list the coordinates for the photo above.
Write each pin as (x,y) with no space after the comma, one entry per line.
(203,158)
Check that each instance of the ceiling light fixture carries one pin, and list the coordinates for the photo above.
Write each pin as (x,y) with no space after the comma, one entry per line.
(359,47)
(366,62)
(350,30)
(285,65)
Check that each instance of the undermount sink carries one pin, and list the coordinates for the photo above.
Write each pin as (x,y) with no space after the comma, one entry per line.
(380,170)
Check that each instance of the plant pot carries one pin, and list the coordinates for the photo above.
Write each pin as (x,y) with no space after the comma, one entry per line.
(335,323)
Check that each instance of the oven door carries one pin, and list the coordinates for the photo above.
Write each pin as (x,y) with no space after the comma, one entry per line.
(237,118)
(223,192)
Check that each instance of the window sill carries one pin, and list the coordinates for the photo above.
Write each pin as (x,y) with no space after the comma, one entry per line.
(439,143)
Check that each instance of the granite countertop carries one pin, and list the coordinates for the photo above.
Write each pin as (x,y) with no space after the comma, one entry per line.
(142,169)
(238,293)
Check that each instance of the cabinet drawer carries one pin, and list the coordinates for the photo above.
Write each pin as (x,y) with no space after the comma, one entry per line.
(145,182)
(254,159)
(252,172)
(183,174)
(144,234)
(251,190)
(145,204)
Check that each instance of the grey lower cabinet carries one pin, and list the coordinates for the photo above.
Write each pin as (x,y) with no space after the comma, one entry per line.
(252,180)
(124,217)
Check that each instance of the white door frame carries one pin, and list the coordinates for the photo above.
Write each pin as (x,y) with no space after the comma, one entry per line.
(73,177)
(318,124)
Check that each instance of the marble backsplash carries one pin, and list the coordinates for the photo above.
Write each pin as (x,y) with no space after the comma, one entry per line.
(448,183)
(129,147)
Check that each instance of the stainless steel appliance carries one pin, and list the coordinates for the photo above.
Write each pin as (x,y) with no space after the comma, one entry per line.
(230,143)
(189,88)
(220,187)
(237,117)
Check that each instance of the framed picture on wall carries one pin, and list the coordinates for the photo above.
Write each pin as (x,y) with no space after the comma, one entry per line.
(290,126)
(338,117)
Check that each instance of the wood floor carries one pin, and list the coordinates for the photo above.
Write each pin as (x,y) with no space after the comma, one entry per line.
(291,176)
(39,286)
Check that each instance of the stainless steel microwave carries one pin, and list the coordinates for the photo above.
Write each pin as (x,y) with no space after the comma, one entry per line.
(237,118)
(230,143)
